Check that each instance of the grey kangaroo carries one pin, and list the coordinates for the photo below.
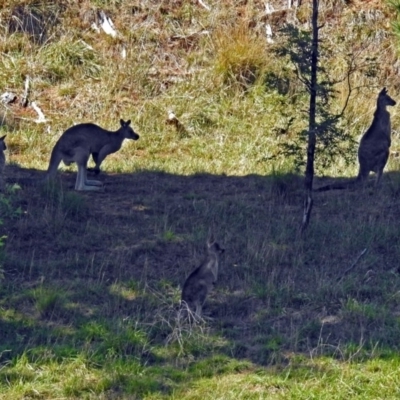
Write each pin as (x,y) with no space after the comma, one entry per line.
(77,143)
(2,162)
(199,283)
(373,151)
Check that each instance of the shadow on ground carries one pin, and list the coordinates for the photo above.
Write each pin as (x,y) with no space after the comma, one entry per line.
(101,272)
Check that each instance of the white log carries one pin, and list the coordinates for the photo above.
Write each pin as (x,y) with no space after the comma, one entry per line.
(107,25)
(41,118)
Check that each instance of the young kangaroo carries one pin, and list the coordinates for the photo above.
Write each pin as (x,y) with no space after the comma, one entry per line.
(199,283)
(373,151)
(77,143)
(2,162)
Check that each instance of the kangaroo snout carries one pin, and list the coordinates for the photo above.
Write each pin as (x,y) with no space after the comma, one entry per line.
(135,136)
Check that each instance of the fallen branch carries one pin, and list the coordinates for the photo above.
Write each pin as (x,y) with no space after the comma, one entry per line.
(204,5)
(352,265)
(41,118)
(24,100)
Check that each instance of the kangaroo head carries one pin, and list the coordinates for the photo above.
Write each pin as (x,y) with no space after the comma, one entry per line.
(3,143)
(127,131)
(384,99)
(214,248)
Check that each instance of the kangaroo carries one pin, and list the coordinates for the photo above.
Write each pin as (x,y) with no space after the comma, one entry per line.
(373,151)
(199,283)
(77,143)
(2,162)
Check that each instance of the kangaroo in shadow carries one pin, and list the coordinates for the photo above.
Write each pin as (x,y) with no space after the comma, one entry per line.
(77,143)
(200,282)
(2,162)
(373,151)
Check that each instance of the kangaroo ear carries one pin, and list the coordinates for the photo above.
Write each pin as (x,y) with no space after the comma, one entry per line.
(122,122)
(211,239)
(128,122)
(383,91)
(3,137)
(211,236)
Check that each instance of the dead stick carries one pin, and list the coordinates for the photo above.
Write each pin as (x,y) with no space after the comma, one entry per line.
(41,117)
(352,265)
(24,100)
(204,5)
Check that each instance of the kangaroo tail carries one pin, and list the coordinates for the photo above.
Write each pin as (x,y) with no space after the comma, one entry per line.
(55,160)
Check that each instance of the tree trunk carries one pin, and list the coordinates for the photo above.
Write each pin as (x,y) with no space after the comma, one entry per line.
(309,174)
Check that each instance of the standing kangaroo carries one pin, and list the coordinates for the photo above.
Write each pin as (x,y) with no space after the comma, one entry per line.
(199,283)
(2,162)
(77,143)
(373,151)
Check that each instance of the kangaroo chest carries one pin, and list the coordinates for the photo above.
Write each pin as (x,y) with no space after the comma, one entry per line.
(110,146)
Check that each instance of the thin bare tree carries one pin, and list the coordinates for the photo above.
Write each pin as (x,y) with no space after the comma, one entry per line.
(312,126)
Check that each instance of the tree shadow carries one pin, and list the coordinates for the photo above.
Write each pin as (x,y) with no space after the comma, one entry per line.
(101,272)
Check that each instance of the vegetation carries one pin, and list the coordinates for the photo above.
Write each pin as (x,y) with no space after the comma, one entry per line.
(90,282)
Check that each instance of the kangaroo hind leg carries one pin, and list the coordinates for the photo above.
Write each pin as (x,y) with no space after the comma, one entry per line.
(82,183)
(91,182)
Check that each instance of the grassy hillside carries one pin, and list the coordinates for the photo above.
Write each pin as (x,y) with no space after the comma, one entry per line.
(90,282)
